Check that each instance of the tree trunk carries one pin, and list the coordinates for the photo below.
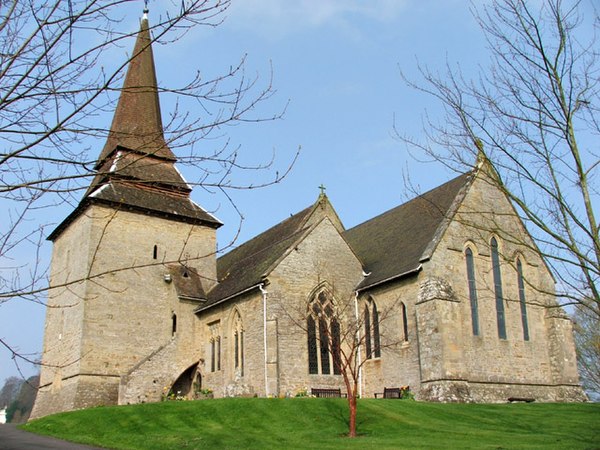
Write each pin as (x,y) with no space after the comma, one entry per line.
(352,407)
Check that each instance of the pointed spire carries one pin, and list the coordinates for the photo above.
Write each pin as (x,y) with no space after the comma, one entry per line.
(137,123)
(136,169)
(135,150)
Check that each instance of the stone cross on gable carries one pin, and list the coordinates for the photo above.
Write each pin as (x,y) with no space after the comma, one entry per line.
(322,188)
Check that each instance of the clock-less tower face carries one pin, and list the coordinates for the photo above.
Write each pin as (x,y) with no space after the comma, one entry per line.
(117,264)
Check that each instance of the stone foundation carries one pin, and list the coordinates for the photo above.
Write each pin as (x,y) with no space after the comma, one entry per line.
(79,392)
(458,391)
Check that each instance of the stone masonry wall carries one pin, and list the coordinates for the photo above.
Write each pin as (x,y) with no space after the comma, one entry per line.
(399,362)
(126,304)
(486,367)
(227,381)
(322,258)
(64,318)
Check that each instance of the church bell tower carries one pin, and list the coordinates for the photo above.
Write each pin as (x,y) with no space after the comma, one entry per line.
(129,264)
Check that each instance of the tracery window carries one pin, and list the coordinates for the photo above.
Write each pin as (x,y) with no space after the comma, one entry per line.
(372,341)
(498,289)
(522,300)
(472,290)
(323,336)
(238,344)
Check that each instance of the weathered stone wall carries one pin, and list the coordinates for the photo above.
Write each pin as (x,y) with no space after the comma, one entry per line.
(64,321)
(486,367)
(228,381)
(125,305)
(399,362)
(452,391)
(151,378)
(322,258)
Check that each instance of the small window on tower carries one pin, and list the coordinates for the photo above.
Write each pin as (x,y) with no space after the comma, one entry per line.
(155,252)
(174,324)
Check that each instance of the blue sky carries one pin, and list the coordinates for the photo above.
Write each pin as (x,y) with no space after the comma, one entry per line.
(338,64)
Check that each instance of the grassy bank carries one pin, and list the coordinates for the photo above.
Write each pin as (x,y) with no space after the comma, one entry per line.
(322,423)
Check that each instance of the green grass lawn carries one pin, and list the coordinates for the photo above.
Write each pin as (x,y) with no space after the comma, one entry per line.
(322,423)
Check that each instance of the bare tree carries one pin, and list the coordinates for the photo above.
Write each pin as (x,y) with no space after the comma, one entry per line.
(58,83)
(587,341)
(347,333)
(533,116)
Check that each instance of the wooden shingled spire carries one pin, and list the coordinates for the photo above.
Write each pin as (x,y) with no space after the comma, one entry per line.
(136,169)
(137,122)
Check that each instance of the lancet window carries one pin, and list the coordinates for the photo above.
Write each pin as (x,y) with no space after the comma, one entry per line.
(404,322)
(238,344)
(372,340)
(498,289)
(215,346)
(472,291)
(521,284)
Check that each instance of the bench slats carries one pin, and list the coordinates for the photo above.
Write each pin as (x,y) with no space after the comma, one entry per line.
(393,393)
(326,392)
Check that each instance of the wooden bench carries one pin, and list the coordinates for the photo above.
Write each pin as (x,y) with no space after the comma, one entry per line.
(521,399)
(396,393)
(326,393)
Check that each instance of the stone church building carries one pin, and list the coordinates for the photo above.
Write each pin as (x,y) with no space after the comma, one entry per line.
(447,291)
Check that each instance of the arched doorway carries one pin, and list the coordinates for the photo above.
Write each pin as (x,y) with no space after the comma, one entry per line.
(188,383)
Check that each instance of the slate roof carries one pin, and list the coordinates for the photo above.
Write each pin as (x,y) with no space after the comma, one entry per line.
(245,266)
(176,206)
(187,281)
(389,246)
(131,198)
(396,242)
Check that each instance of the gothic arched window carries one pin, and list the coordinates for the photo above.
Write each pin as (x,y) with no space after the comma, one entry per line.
(472,290)
(238,344)
(522,300)
(498,289)
(214,330)
(323,335)
(404,322)
(368,333)
(372,342)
